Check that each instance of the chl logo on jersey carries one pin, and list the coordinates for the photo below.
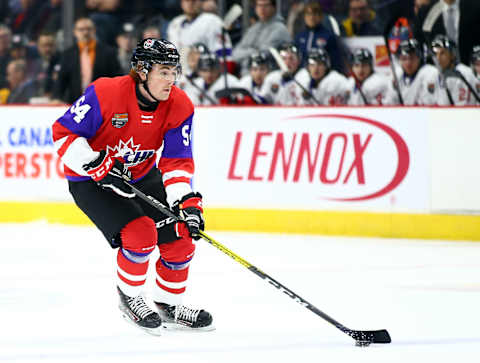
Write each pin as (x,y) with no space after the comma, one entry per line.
(119,120)
(129,152)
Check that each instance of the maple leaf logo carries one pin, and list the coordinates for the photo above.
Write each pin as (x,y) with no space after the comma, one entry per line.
(123,148)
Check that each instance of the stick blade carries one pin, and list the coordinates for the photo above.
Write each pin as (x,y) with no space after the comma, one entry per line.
(372,336)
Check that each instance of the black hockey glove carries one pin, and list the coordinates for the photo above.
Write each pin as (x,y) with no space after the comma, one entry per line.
(189,208)
(110,174)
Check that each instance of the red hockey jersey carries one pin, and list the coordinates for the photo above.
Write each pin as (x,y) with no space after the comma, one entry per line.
(107,117)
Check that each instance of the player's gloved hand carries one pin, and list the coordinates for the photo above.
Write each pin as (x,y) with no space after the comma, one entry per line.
(189,208)
(110,173)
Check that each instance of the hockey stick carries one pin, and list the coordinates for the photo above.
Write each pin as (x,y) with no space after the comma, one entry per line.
(202,91)
(453,73)
(396,84)
(232,15)
(361,337)
(283,67)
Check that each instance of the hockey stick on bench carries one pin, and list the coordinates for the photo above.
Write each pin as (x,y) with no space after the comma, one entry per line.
(362,337)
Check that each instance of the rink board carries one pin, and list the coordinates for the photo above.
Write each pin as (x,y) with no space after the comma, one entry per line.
(393,172)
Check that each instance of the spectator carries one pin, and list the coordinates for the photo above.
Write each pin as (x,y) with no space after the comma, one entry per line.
(268,32)
(326,85)
(126,42)
(107,16)
(417,80)
(210,6)
(5,42)
(203,89)
(23,18)
(316,35)
(454,91)
(151,31)
(457,19)
(49,58)
(84,62)
(258,66)
(475,62)
(21,87)
(280,88)
(366,87)
(48,18)
(21,50)
(360,21)
(193,26)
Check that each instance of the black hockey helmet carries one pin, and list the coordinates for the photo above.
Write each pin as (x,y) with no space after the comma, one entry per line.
(258,58)
(409,46)
(201,48)
(207,62)
(362,55)
(288,47)
(318,55)
(475,54)
(150,51)
(442,41)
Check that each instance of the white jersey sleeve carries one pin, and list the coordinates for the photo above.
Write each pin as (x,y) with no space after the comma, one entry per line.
(456,88)
(374,88)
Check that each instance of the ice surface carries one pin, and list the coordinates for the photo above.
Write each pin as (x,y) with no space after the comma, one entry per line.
(58,301)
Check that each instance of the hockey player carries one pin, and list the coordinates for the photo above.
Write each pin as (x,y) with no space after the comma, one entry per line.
(325,84)
(210,80)
(373,86)
(110,135)
(454,90)
(258,66)
(280,88)
(475,61)
(418,81)
(193,26)
(193,56)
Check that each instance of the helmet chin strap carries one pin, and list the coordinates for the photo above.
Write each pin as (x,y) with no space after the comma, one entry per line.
(149,105)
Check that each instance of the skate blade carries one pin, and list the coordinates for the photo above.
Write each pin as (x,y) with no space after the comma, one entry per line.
(151,331)
(172,327)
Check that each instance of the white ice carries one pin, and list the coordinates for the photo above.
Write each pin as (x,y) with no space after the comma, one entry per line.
(58,301)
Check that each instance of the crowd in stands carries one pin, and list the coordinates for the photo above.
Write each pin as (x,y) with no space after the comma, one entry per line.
(434,47)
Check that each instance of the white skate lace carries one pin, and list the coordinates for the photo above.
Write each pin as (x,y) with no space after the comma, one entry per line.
(186,314)
(138,306)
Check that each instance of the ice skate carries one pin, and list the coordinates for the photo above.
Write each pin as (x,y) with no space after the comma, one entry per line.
(138,313)
(180,317)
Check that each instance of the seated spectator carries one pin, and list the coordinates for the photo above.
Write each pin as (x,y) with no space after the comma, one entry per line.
(126,42)
(366,87)
(47,19)
(326,85)
(316,35)
(106,15)
(458,80)
(83,63)
(19,49)
(475,62)
(49,58)
(203,90)
(151,31)
(268,31)
(193,26)
(360,21)
(280,88)
(21,87)
(5,42)
(258,66)
(418,81)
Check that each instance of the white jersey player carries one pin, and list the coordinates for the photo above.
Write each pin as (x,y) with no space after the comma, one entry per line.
(258,67)
(372,87)
(457,81)
(475,62)
(203,89)
(279,88)
(418,82)
(326,85)
(195,27)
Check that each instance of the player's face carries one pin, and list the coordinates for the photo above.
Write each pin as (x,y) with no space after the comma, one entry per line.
(264,9)
(161,79)
(362,71)
(258,73)
(192,59)
(476,67)
(317,70)
(291,60)
(191,7)
(444,58)
(410,63)
(209,75)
